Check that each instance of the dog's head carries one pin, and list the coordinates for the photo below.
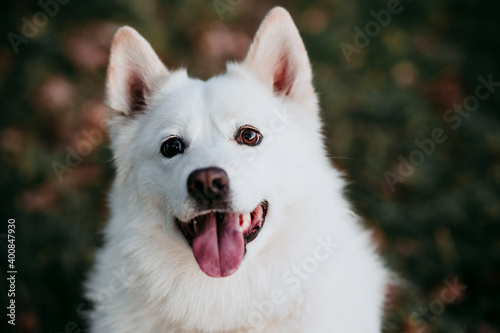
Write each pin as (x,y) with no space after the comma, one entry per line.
(217,158)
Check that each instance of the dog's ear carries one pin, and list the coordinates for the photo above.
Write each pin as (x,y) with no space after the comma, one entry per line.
(134,72)
(278,58)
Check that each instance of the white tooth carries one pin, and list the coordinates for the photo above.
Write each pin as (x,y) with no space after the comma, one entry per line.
(246,221)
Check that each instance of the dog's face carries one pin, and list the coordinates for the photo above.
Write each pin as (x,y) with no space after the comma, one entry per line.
(215,157)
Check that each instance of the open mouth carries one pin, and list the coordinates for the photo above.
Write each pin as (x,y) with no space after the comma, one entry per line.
(219,238)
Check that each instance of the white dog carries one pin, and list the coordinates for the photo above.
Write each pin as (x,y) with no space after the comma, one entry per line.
(226,214)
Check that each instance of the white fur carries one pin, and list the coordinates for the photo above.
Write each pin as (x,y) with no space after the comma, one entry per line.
(146,278)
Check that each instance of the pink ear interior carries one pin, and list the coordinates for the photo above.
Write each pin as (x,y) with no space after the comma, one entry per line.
(137,94)
(283,78)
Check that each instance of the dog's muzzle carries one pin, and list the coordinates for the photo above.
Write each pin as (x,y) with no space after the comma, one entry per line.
(217,235)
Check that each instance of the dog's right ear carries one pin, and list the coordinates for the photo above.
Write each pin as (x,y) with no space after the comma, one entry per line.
(134,72)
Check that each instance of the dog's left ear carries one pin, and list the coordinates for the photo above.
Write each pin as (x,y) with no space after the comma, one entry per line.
(278,58)
(134,72)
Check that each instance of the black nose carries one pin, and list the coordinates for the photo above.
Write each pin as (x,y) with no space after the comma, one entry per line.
(209,186)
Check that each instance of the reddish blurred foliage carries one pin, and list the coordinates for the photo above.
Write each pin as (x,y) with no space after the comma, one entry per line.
(315,19)
(13,141)
(83,175)
(6,61)
(94,115)
(405,74)
(221,43)
(410,327)
(87,47)
(452,286)
(378,237)
(29,322)
(425,42)
(446,91)
(393,297)
(54,94)
(41,199)
(406,246)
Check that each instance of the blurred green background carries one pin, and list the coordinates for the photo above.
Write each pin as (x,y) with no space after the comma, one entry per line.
(438,229)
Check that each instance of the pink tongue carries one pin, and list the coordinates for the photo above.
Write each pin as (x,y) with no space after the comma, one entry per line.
(219,247)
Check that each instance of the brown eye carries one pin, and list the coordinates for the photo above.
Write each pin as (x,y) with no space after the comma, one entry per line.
(249,136)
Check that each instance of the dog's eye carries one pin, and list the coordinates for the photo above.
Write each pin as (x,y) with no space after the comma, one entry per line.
(249,136)
(172,147)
